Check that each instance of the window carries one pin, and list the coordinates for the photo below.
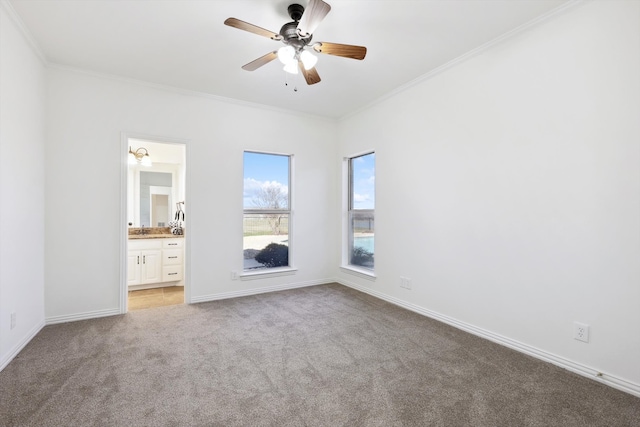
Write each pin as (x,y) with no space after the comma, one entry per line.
(267,210)
(362,174)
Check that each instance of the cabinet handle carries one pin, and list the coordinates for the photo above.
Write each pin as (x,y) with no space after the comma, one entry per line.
(172,274)
(171,257)
(172,244)
(138,259)
(144,259)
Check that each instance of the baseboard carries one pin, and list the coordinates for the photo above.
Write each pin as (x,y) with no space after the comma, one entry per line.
(256,291)
(569,365)
(6,359)
(82,316)
(204,298)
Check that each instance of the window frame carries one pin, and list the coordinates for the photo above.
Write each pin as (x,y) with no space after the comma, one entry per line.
(349,209)
(274,271)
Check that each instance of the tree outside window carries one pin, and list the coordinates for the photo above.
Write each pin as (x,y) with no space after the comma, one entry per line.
(266,200)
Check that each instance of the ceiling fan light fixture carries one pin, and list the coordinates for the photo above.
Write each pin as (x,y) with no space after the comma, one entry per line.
(291,67)
(308,59)
(286,54)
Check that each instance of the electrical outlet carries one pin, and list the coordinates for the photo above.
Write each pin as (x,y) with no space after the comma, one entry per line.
(13,320)
(581,331)
(405,282)
(234,275)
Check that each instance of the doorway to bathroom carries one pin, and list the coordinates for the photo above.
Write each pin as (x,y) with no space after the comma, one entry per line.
(156,223)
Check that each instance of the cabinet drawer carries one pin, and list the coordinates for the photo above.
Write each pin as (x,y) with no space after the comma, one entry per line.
(172,257)
(171,273)
(172,243)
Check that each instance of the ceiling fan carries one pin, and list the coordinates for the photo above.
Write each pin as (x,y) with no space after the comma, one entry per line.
(296,36)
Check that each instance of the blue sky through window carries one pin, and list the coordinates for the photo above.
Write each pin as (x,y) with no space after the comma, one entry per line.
(364,179)
(264,170)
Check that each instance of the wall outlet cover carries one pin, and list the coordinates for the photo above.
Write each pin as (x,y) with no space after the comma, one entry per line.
(581,331)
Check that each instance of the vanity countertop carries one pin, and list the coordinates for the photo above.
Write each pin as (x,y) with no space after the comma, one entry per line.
(155,236)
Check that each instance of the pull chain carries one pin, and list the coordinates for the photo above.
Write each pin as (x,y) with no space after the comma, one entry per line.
(286,81)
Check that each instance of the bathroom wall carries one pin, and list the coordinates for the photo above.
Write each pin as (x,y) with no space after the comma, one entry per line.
(168,157)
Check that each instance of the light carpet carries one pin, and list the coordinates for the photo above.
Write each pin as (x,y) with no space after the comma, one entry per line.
(318,356)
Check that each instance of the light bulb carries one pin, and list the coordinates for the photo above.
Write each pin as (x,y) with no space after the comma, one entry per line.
(146,160)
(291,67)
(308,60)
(286,54)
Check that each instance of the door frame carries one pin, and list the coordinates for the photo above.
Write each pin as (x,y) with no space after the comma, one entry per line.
(124,171)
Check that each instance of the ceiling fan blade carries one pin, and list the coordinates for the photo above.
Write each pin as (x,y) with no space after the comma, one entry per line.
(241,25)
(311,75)
(312,17)
(344,50)
(265,59)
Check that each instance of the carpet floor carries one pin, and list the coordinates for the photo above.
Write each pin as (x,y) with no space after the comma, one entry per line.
(319,356)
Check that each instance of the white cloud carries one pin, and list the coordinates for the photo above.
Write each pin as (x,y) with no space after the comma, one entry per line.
(252,189)
(359,198)
(252,186)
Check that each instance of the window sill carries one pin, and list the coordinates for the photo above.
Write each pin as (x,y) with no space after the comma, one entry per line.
(360,272)
(272,272)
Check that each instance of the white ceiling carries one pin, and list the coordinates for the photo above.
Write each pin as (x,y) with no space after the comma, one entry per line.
(184,44)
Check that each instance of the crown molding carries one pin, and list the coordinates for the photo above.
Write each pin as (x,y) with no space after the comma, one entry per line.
(22,28)
(185,92)
(468,55)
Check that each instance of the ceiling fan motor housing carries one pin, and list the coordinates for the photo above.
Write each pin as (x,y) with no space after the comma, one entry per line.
(289,31)
(295,11)
(290,36)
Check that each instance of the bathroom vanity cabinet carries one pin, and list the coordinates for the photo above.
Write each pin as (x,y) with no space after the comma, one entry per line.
(157,262)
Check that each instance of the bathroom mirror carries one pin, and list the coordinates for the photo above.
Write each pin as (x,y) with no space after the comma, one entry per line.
(155,198)
(159,206)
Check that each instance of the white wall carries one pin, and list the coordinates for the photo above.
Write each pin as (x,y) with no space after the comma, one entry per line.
(22,91)
(86,115)
(508,189)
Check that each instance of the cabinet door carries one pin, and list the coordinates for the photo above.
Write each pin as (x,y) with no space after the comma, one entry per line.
(134,263)
(151,266)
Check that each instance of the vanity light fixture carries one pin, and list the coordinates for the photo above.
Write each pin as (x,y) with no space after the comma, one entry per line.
(141,156)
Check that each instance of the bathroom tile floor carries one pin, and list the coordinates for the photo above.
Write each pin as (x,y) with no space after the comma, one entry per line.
(157,297)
